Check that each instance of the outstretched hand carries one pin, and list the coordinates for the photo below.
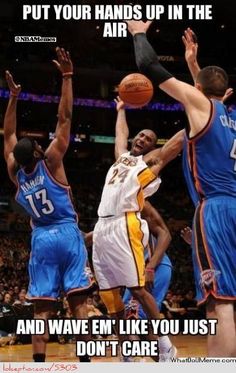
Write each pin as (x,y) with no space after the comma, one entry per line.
(228,94)
(63,62)
(13,87)
(119,103)
(136,27)
(186,234)
(191,46)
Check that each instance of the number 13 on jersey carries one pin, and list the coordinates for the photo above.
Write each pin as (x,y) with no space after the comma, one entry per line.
(40,197)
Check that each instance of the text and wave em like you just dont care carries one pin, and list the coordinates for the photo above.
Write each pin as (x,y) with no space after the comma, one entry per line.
(125,327)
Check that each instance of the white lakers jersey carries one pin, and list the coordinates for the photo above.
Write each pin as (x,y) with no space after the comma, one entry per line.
(128,182)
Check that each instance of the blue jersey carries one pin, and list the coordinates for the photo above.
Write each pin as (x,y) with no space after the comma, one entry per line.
(46,200)
(187,173)
(212,156)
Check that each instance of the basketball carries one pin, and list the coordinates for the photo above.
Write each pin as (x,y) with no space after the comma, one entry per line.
(135,90)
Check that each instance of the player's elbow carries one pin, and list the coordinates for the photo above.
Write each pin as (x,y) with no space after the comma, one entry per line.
(166,235)
(6,155)
(65,116)
(62,143)
(163,233)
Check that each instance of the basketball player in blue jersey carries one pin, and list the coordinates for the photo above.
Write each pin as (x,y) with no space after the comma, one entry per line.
(58,256)
(158,272)
(191,49)
(211,160)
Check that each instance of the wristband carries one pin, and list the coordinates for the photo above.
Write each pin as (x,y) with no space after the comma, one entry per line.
(150,270)
(70,73)
(12,94)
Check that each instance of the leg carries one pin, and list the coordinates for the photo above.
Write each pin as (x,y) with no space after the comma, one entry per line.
(150,308)
(75,278)
(224,342)
(147,301)
(160,287)
(214,262)
(42,310)
(78,306)
(116,309)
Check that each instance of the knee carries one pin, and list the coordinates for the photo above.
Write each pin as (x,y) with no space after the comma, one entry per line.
(138,293)
(78,305)
(44,309)
(41,338)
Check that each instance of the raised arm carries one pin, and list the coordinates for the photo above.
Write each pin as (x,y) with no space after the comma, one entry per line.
(56,150)
(122,130)
(9,126)
(157,159)
(191,49)
(160,231)
(196,104)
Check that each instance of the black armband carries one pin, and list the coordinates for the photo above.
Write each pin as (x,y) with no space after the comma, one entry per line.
(147,60)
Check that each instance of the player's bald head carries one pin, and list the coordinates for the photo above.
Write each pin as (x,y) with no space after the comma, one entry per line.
(144,142)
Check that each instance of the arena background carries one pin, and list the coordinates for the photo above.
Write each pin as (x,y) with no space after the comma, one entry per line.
(100,63)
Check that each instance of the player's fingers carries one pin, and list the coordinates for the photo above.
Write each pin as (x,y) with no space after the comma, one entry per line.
(187,36)
(190,32)
(59,53)
(63,53)
(68,55)
(194,37)
(229,91)
(56,63)
(9,77)
(184,41)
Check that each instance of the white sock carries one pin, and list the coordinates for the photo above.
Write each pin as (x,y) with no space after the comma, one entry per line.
(164,344)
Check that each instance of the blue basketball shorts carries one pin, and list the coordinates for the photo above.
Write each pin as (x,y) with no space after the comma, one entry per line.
(57,262)
(214,249)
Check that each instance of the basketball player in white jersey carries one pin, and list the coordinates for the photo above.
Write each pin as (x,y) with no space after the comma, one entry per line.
(120,234)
